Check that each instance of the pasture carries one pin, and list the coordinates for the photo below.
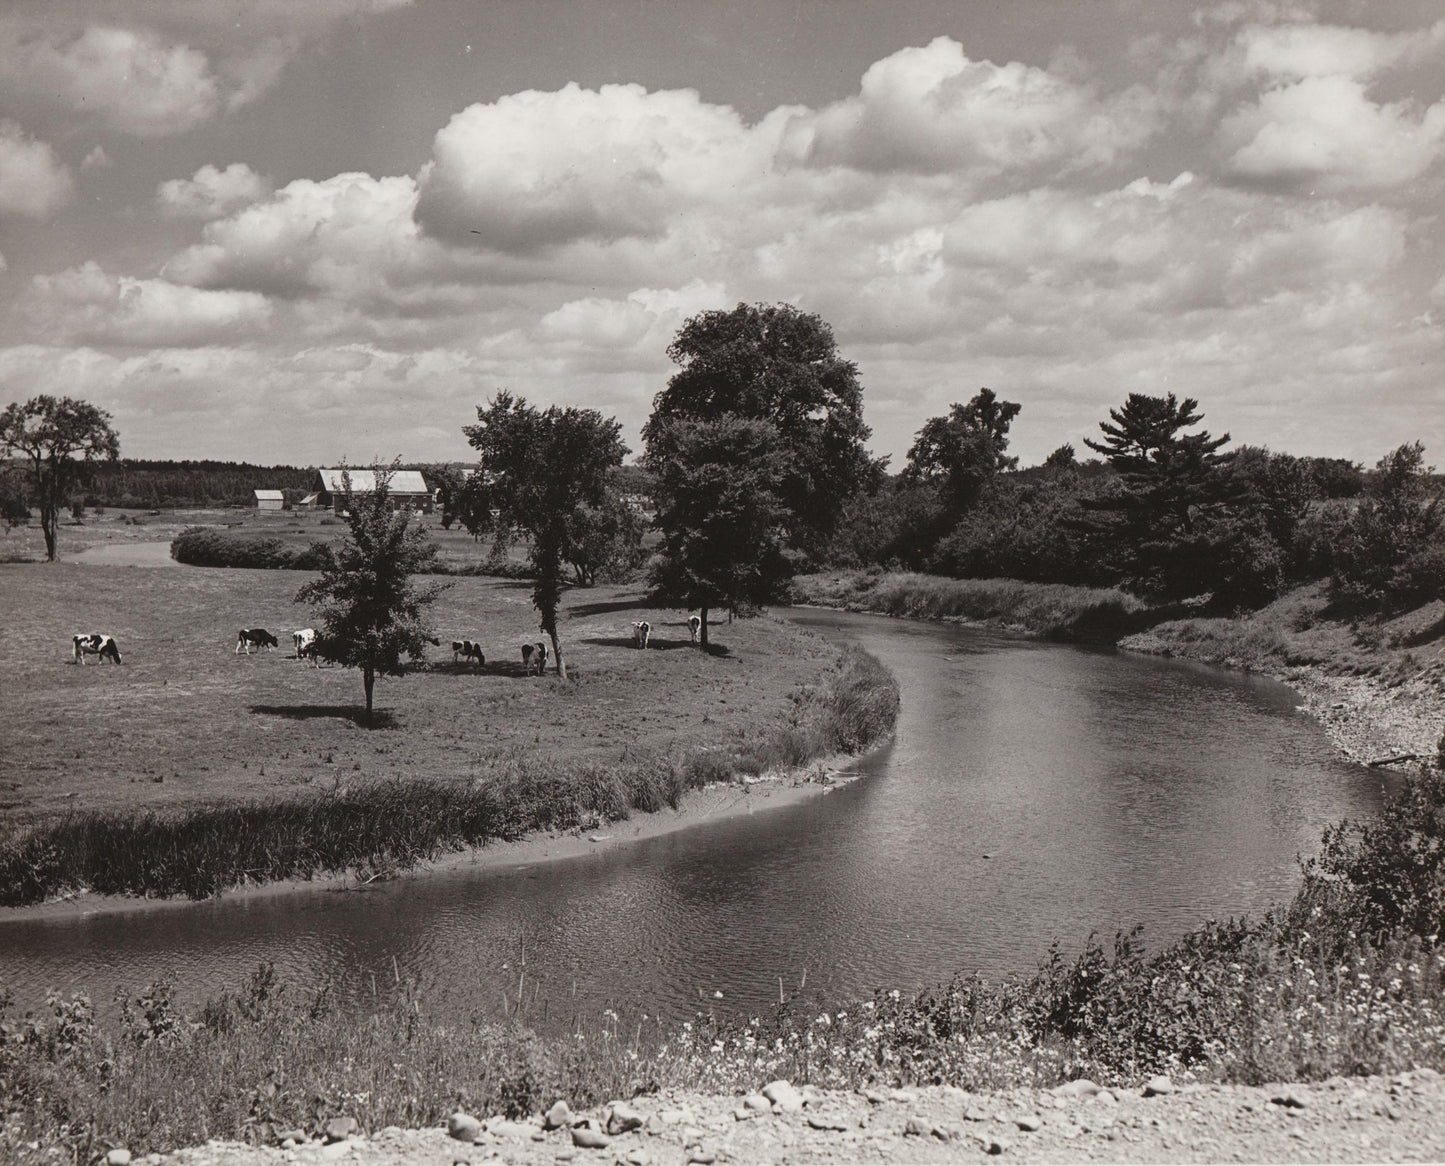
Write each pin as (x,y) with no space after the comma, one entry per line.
(185,722)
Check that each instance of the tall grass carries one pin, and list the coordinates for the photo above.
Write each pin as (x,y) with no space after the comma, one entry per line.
(1052,610)
(1348,979)
(395,824)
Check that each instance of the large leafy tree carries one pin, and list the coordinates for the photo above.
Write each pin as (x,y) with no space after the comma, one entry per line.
(58,437)
(538,469)
(775,364)
(604,539)
(963,451)
(719,486)
(1163,525)
(1390,547)
(371,612)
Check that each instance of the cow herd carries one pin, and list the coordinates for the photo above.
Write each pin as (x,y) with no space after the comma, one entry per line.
(534,655)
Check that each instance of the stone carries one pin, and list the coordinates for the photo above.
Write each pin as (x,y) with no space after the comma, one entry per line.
(502,1127)
(338,1129)
(827,1121)
(622,1118)
(559,1117)
(873,1097)
(758,1102)
(701,1157)
(153,1160)
(288,1143)
(917,1127)
(590,1139)
(1106,1097)
(118,1157)
(1291,1099)
(975,1113)
(294,1136)
(1159,1086)
(638,1157)
(784,1097)
(463,1126)
(998,1146)
(906,1096)
(1029,1123)
(1081,1089)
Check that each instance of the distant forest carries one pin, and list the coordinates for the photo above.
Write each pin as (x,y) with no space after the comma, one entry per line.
(143,484)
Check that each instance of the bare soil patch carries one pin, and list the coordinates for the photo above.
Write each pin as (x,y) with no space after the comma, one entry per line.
(184,721)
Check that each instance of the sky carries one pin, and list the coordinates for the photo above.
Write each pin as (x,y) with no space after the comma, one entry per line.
(296,233)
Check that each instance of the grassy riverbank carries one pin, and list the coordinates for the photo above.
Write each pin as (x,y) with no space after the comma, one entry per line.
(1345,980)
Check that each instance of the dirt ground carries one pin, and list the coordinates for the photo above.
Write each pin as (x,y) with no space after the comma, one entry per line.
(1373,1119)
(184,720)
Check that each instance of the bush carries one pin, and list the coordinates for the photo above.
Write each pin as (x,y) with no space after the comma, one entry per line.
(201,546)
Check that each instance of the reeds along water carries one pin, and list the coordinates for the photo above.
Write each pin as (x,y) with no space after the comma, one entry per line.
(392,825)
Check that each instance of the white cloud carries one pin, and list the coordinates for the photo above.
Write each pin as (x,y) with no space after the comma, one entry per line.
(97,159)
(932,110)
(89,305)
(212,193)
(1326,131)
(1303,50)
(33,181)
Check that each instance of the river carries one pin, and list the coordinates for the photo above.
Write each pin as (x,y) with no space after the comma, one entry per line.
(1034,792)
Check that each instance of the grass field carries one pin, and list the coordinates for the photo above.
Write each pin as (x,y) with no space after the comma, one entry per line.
(186,722)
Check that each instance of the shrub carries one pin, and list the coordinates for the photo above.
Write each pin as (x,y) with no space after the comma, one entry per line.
(202,546)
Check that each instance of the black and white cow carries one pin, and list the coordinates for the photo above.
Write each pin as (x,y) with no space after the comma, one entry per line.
(694,627)
(534,657)
(467,650)
(305,641)
(96,644)
(641,630)
(255,637)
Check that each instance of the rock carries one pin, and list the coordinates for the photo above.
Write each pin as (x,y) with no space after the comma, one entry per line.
(295,1136)
(1081,1089)
(975,1113)
(758,1102)
(784,1097)
(1029,1123)
(998,1146)
(590,1139)
(873,1097)
(559,1117)
(622,1118)
(118,1157)
(1291,1099)
(463,1126)
(673,1116)
(701,1157)
(288,1143)
(1106,1098)
(1159,1086)
(638,1157)
(907,1097)
(153,1160)
(917,1127)
(502,1127)
(827,1121)
(338,1129)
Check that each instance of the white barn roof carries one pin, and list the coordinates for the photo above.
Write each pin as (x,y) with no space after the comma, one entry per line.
(364,481)
(269,495)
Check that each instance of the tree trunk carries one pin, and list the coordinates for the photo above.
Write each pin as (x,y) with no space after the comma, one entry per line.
(702,630)
(557,652)
(368,679)
(48,519)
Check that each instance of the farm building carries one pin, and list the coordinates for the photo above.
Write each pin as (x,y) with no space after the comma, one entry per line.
(310,502)
(407,490)
(270,499)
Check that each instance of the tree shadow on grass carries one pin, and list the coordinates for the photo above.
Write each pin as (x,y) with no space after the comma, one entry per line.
(379,719)
(654,643)
(607,607)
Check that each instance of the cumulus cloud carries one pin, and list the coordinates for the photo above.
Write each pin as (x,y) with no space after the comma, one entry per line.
(33,181)
(534,169)
(1301,50)
(1326,130)
(88,304)
(932,110)
(212,193)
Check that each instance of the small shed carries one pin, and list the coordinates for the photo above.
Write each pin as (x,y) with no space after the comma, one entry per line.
(407,490)
(270,499)
(309,502)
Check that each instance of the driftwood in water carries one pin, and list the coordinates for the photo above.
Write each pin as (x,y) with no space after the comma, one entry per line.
(1393,760)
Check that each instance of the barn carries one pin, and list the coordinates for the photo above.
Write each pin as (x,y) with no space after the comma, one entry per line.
(408,489)
(269,499)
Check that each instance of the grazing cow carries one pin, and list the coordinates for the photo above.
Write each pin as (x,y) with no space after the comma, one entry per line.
(534,656)
(96,644)
(467,650)
(258,637)
(640,631)
(305,641)
(694,627)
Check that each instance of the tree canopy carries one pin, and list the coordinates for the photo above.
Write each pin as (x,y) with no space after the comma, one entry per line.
(371,612)
(964,450)
(722,512)
(58,436)
(538,469)
(775,364)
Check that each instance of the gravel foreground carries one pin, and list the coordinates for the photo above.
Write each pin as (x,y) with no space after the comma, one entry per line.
(1367,1119)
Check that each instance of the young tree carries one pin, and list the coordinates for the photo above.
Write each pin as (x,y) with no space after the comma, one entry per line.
(1390,546)
(58,436)
(964,451)
(603,538)
(775,364)
(370,610)
(538,469)
(721,508)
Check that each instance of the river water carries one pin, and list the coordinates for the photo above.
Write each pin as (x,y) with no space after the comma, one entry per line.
(1034,792)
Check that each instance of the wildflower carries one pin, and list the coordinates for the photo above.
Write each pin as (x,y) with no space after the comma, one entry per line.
(717,995)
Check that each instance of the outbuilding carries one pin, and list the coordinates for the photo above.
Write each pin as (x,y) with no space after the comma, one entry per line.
(408,489)
(270,499)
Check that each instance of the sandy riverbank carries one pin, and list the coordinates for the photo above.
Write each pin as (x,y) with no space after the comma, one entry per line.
(699,808)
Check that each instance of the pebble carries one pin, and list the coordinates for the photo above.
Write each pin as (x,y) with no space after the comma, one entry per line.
(702,1158)
(757,1101)
(1029,1123)
(622,1118)
(1159,1086)
(118,1157)
(463,1126)
(784,1097)
(559,1117)
(917,1127)
(1291,1099)
(1081,1089)
(827,1121)
(999,1145)
(294,1136)
(338,1129)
